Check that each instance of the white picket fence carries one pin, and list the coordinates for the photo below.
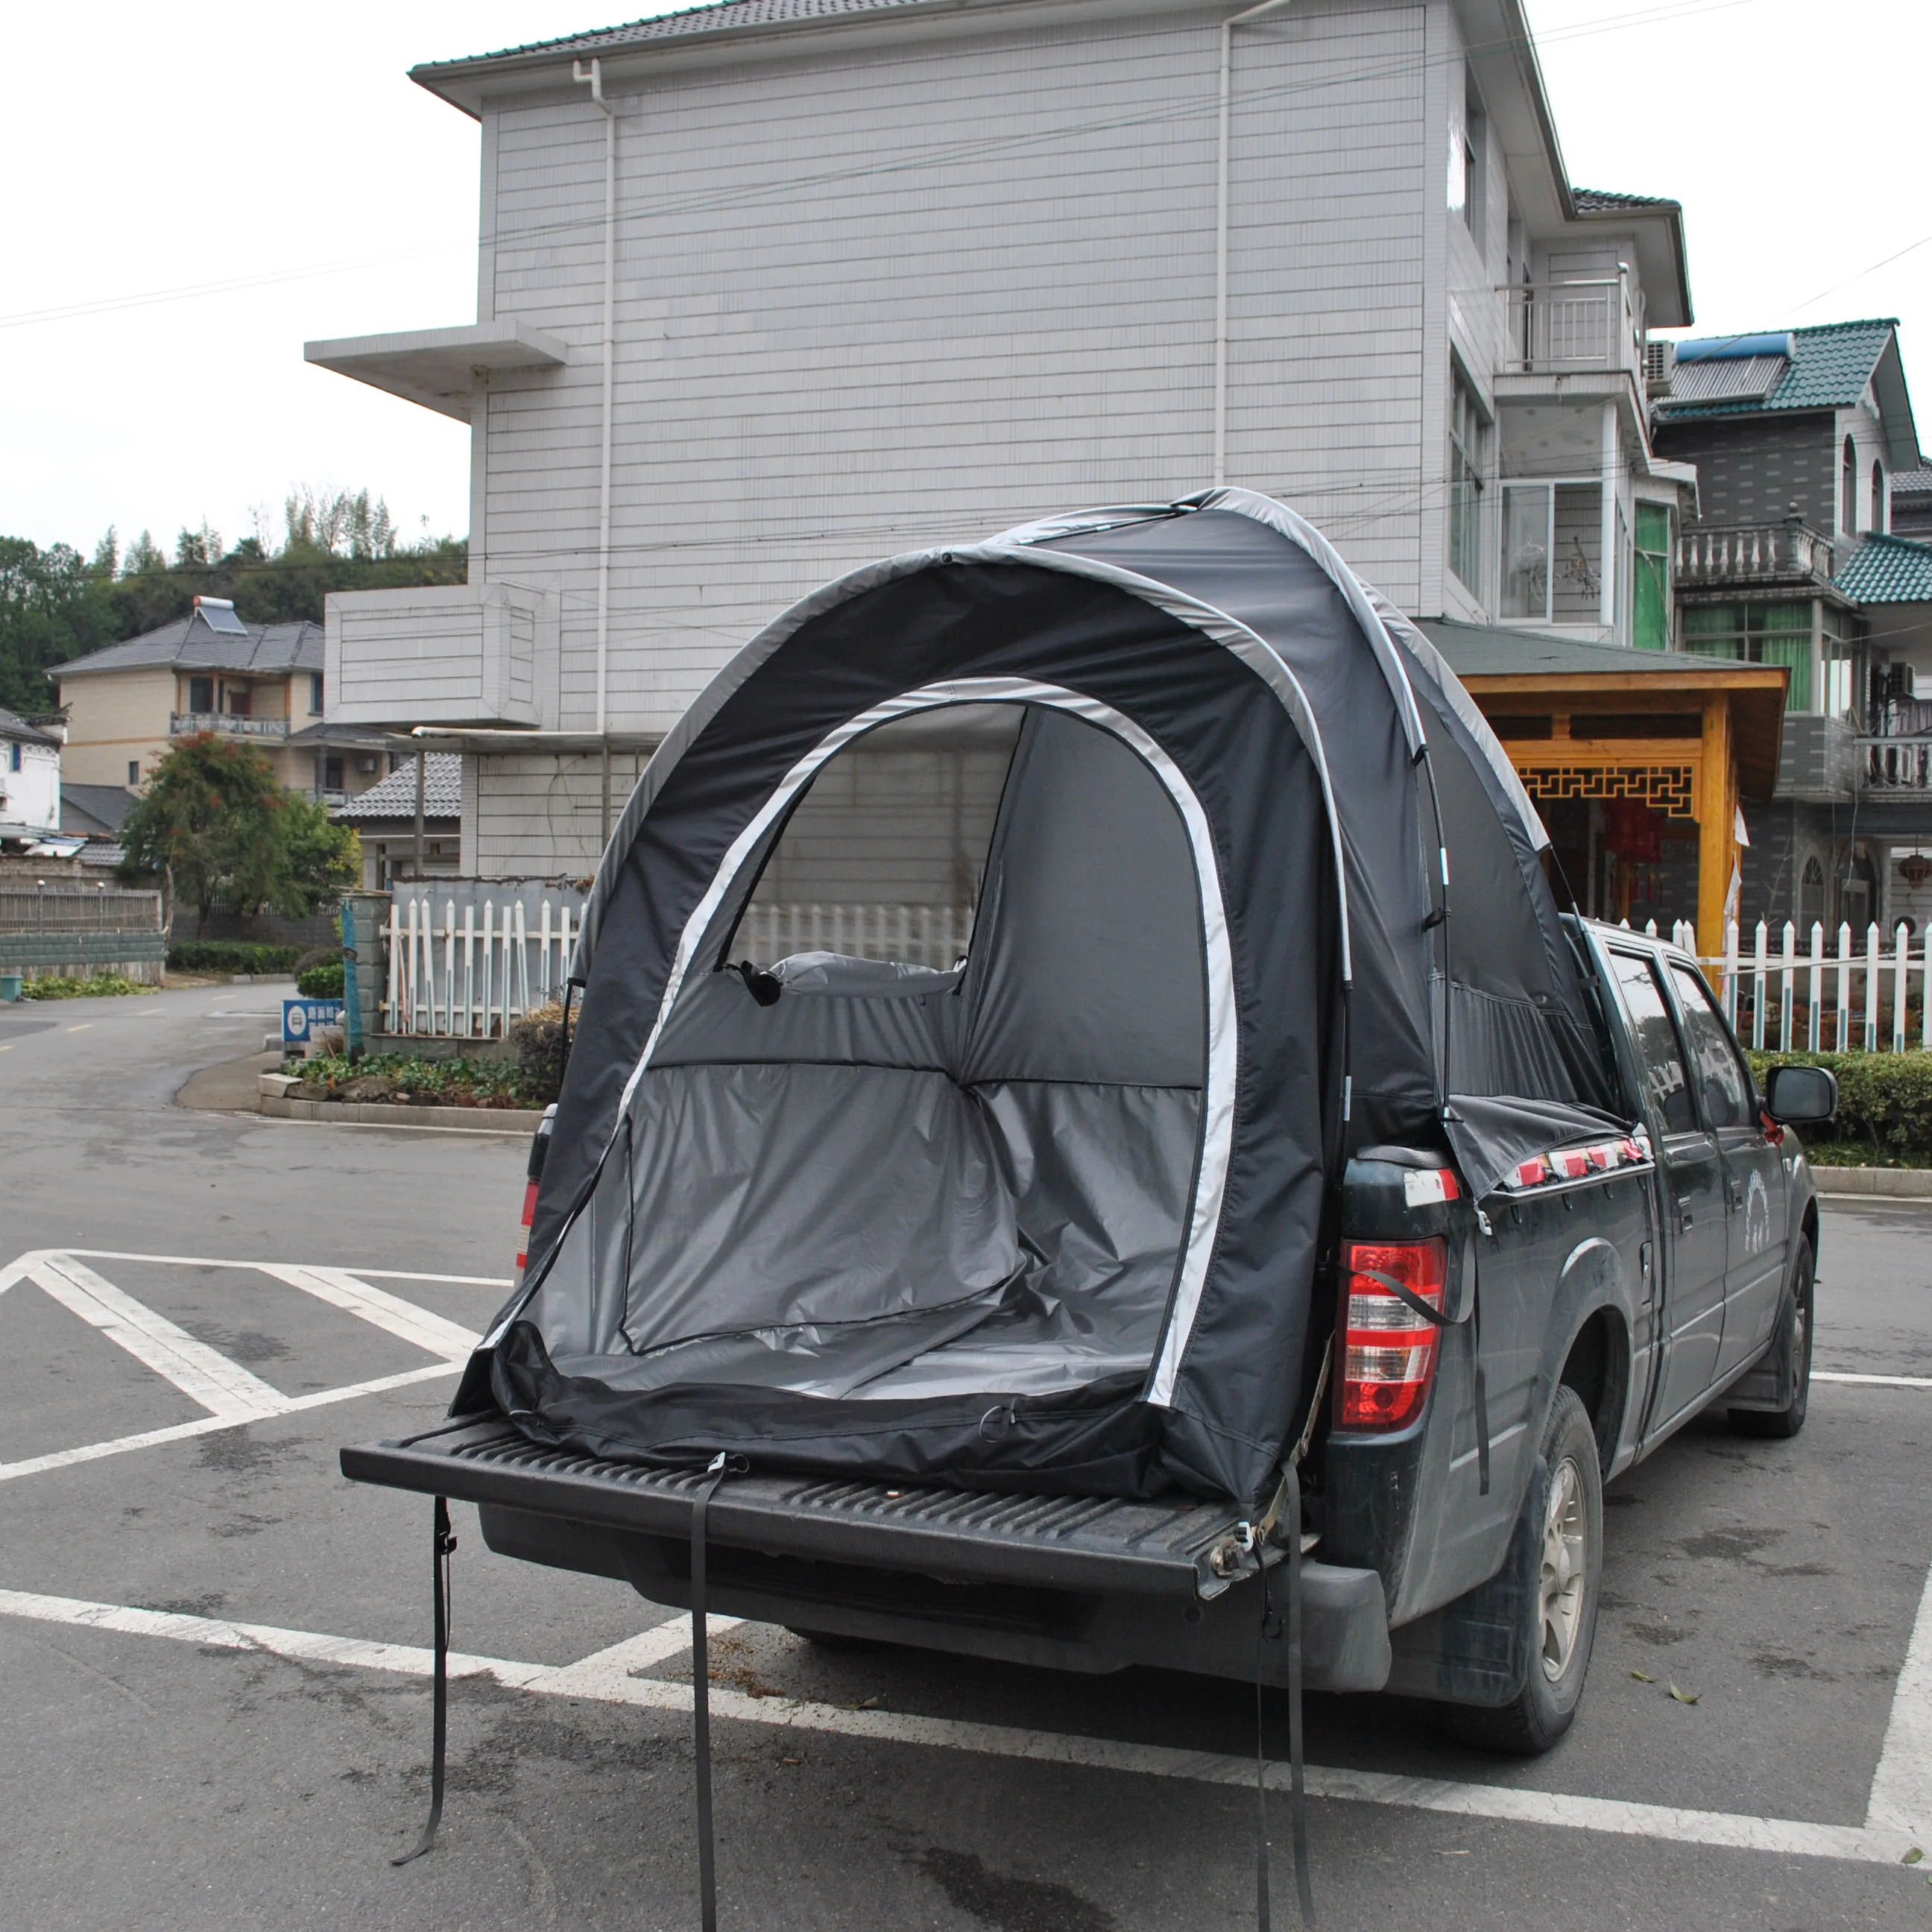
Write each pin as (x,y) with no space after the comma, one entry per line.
(922,935)
(473,976)
(1852,999)
(1858,996)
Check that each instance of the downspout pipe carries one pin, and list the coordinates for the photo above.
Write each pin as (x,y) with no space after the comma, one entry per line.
(1228,27)
(594,78)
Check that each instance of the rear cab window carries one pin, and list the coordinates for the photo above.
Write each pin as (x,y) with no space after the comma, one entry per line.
(1660,1057)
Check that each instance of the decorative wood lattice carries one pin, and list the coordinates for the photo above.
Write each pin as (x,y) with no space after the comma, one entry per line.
(1669,789)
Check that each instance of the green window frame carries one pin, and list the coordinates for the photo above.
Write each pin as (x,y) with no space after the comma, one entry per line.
(1773,634)
(1650,616)
(1468,434)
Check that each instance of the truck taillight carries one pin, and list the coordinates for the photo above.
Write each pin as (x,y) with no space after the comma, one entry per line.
(1388,1351)
(533,1175)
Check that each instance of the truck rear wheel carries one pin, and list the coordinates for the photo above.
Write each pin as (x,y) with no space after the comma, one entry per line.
(1794,1340)
(1560,1609)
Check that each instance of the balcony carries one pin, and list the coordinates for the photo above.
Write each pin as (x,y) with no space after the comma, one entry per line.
(1725,556)
(1897,765)
(1574,328)
(186,724)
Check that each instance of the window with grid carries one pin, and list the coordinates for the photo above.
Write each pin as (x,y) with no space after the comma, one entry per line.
(1468,432)
(1773,634)
(1650,617)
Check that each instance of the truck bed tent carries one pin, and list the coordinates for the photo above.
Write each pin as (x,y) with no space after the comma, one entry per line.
(1045,1216)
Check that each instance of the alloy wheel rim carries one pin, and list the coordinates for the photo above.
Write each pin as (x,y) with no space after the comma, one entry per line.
(1565,1532)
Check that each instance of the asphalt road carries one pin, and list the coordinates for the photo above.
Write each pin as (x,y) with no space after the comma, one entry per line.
(161,1767)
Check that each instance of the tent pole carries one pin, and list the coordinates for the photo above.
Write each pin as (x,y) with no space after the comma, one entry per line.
(1228,27)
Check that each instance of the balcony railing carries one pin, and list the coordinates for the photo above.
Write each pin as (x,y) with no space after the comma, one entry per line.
(1561,327)
(1722,555)
(1897,764)
(186,724)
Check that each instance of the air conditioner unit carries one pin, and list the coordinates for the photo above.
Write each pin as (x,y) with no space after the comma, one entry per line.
(1898,681)
(366,762)
(1660,367)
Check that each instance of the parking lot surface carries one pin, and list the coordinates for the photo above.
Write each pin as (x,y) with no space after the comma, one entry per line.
(219,1714)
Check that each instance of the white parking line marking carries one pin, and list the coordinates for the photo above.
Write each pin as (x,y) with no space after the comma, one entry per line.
(1880,1843)
(228,1261)
(204,1374)
(403,1319)
(1872,1381)
(1901,1792)
(604,1672)
(180,1432)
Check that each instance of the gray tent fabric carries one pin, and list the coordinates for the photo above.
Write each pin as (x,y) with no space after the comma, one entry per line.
(1052,1219)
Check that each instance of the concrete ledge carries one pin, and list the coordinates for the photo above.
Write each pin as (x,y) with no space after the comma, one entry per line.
(374,1114)
(1888,1184)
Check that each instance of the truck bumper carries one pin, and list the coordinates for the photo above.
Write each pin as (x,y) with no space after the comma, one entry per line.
(1074,1583)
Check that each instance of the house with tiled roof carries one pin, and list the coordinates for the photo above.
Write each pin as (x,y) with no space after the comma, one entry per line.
(127,704)
(30,779)
(411,824)
(768,290)
(1807,456)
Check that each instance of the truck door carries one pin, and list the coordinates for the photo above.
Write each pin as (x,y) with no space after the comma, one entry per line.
(1753,1173)
(1691,1182)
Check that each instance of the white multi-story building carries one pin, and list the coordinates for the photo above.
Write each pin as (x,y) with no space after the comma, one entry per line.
(30,779)
(768,289)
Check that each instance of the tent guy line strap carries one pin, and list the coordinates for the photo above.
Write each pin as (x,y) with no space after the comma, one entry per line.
(1879,1840)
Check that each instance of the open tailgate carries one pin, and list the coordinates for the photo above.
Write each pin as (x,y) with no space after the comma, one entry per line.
(1064,1543)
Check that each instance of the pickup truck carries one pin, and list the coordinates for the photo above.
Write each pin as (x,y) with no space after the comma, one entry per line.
(1494,1362)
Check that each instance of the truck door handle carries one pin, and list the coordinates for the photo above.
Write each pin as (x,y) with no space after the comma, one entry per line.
(1684,1213)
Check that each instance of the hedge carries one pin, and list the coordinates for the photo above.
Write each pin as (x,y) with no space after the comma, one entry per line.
(230,956)
(1884,1105)
(321,982)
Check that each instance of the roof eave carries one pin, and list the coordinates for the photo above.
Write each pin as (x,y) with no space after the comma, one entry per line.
(1895,406)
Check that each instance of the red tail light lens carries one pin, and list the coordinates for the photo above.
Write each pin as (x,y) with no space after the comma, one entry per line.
(530,1215)
(1388,1351)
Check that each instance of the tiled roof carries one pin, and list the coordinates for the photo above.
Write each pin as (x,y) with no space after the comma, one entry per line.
(1487,650)
(1887,570)
(16,728)
(1598,200)
(188,644)
(91,811)
(395,797)
(1911,482)
(688,21)
(1830,367)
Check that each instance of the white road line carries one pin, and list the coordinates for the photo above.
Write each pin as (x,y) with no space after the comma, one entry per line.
(1901,1792)
(1785,1836)
(403,1319)
(603,1672)
(212,1261)
(180,1432)
(204,1374)
(1872,1381)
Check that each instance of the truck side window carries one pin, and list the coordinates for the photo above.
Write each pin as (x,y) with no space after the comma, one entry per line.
(1720,1078)
(1655,1038)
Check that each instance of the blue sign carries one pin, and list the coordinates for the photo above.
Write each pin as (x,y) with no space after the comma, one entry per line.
(302,1019)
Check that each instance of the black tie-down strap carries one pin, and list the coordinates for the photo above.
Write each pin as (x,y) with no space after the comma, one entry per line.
(1472,1313)
(721,1466)
(1281,1524)
(443,1546)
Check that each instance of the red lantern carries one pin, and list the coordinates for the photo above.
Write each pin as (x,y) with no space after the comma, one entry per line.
(1632,831)
(1916,868)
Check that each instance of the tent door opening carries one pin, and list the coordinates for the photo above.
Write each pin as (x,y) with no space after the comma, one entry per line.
(924,1118)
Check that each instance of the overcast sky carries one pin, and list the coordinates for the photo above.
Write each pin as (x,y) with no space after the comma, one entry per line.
(282,151)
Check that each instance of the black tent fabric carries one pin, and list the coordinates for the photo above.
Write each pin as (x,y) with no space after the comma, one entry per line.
(1049,1219)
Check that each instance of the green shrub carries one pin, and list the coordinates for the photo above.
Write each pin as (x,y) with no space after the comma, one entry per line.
(230,956)
(471,1083)
(1885,1106)
(60,986)
(321,982)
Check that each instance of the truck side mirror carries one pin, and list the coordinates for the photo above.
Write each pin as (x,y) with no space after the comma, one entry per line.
(1799,1096)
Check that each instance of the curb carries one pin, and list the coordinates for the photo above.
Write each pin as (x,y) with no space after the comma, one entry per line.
(1890,1184)
(374,1114)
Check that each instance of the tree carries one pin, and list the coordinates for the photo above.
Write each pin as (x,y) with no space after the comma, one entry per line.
(213,823)
(53,606)
(320,859)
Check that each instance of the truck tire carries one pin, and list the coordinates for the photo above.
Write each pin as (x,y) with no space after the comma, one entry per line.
(1794,1340)
(1560,1609)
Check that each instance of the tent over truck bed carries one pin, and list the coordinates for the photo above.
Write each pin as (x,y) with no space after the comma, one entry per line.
(1042,1223)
